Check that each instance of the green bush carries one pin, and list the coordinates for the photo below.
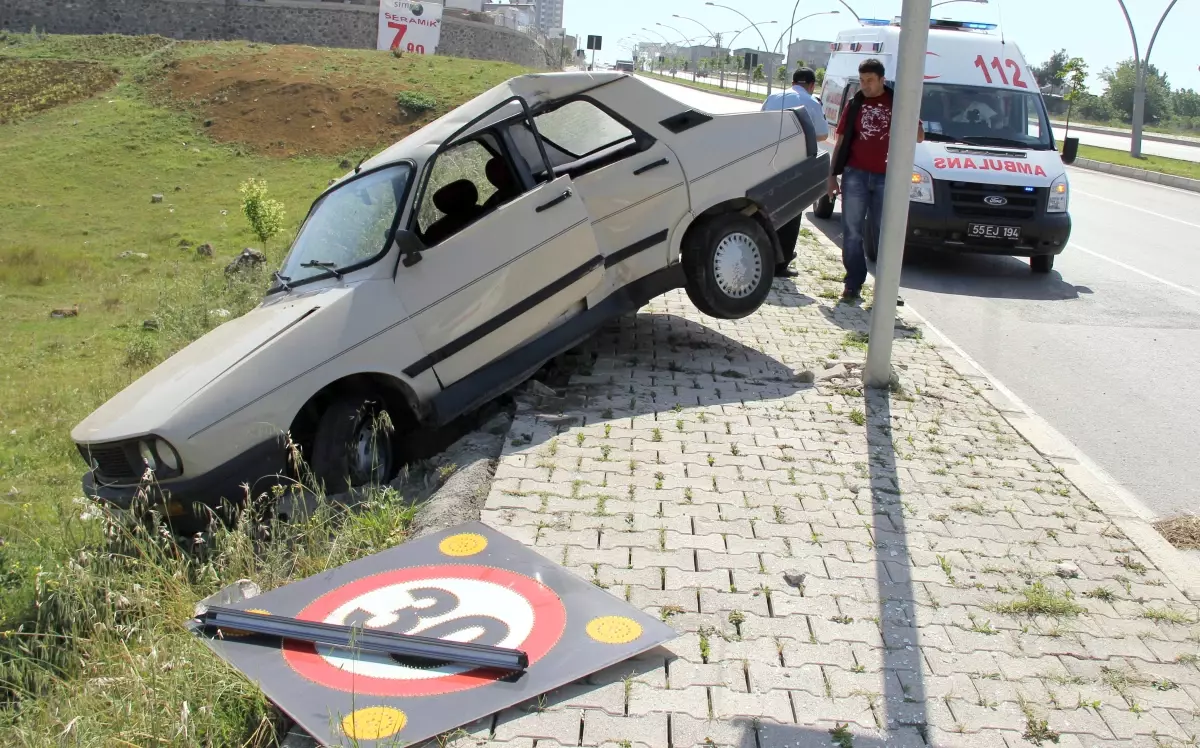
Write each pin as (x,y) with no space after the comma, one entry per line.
(415,102)
(265,215)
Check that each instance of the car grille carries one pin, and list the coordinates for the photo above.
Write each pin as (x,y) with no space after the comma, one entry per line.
(967,199)
(112,462)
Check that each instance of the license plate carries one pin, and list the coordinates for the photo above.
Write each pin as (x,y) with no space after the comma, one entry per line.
(990,231)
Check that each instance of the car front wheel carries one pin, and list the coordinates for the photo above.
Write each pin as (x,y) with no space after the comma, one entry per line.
(729,264)
(353,445)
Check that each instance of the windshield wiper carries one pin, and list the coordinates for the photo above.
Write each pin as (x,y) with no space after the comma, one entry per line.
(993,140)
(323,265)
(282,280)
(941,137)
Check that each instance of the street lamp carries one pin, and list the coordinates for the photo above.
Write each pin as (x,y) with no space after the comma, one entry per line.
(756,28)
(948,2)
(1143,71)
(677,31)
(666,42)
(733,39)
(797,23)
(847,7)
(716,37)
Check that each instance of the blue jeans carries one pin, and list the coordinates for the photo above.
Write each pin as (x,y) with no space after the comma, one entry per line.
(862,191)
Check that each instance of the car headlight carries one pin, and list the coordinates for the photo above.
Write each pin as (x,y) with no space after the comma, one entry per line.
(1060,195)
(921,189)
(160,457)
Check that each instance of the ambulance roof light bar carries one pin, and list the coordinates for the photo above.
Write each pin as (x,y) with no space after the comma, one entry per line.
(934,23)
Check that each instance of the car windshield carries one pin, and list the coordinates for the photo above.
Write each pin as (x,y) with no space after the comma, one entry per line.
(350,225)
(985,115)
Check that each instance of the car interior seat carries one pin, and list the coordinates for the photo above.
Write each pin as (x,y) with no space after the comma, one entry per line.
(501,177)
(459,201)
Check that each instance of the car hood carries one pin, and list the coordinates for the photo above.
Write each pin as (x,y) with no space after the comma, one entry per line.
(1006,166)
(151,400)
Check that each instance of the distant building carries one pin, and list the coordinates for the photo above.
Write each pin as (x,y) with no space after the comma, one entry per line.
(475,6)
(812,53)
(769,60)
(549,14)
(517,16)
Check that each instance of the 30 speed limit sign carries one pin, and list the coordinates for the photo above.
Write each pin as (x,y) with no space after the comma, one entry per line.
(409,26)
(466,584)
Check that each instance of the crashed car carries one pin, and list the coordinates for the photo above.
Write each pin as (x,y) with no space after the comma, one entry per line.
(451,266)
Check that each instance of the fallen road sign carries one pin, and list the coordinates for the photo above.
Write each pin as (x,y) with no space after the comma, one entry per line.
(470,584)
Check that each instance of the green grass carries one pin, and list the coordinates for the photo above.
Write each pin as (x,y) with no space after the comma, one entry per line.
(716,88)
(1173,166)
(91,639)
(1038,599)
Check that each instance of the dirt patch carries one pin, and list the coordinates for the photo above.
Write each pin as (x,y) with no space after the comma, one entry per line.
(1181,532)
(283,103)
(30,86)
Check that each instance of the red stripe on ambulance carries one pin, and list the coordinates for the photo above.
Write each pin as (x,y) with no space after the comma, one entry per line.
(989,164)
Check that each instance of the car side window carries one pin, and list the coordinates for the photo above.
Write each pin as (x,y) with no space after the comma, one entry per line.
(580,128)
(466,183)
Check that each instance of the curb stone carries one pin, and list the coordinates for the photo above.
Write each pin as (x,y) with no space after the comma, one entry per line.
(1141,175)
(1124,509)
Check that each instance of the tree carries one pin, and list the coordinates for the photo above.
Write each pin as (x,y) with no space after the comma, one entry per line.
(820,76)
(782,73)
(759,74)
(1185,103)
(1051,73)
(1075,78)
(264,215)
(1121,83)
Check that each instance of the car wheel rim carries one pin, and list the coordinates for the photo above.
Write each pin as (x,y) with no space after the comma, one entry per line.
(369,453)
(737,265)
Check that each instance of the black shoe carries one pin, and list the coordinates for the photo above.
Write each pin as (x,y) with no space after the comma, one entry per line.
(786,273)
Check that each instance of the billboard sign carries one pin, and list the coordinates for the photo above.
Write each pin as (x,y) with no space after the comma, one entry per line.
(409,26)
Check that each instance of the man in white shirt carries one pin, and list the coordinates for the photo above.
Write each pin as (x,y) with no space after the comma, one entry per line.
(804,82)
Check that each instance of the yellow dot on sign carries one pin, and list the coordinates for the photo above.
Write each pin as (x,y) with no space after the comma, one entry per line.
(374,722)
(614,629)
(463,544)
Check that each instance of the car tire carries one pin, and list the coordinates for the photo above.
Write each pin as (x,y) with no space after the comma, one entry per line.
(348,450)
(1041,263)
(729,264)
(823,208)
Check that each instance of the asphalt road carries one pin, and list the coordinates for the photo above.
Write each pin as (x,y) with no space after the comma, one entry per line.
(1114,141)
(1106,348)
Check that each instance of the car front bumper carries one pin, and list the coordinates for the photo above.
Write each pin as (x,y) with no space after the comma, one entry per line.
(255,470)
(937,226)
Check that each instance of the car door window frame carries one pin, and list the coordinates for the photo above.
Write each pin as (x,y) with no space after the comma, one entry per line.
(644,140)
(479,138)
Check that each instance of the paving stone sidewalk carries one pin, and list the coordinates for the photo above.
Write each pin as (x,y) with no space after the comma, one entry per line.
(847,570)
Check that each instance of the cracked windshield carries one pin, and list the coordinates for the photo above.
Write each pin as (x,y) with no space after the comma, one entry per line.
(839,390)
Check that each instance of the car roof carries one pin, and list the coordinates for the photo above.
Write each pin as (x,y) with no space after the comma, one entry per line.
(534,88)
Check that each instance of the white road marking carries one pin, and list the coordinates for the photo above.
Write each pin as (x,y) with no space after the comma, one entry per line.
(1143,210)
(1132,269)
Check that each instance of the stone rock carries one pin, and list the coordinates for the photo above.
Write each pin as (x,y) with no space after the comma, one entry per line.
(224,212)
(249,259)
(156,198)
(150,324)
(178,188)
(806,377)
(832,364)
(344,164)
(205,250)
(131,255)
(834,373)
(208,123)
(794,579)
(183,244)
(536,388)
(71,311)
(1067,570)
(222,313)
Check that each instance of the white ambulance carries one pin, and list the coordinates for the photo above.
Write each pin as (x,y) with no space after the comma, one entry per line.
(987,177)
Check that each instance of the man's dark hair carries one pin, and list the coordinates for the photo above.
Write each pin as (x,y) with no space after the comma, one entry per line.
(803,76)
(872,65)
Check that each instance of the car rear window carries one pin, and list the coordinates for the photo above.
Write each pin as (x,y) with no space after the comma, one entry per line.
(580,128)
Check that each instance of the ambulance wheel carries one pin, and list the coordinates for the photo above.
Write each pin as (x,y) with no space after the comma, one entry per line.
(1041,263)
(729,263)
(823,208)
(353,444)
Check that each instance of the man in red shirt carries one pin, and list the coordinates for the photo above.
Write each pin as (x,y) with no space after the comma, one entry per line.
(863,137)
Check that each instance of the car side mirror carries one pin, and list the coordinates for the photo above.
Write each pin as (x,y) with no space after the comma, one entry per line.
(410,246)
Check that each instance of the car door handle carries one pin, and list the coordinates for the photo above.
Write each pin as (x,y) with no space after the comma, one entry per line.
(648,167)
(561,198)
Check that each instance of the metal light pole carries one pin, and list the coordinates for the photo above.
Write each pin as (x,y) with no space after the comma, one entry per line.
(665,41)
(948,2)
(715,36)
(906,110)
(847,7)
(1142,73)
(760,36)
(744,29)
(794,25)
(677,31)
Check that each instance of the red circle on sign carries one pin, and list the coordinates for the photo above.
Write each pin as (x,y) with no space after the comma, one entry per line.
(549,620)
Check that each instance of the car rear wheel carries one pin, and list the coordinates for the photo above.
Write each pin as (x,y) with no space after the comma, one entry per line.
(823,208)
(729,264)
(353,445)
(1041,263)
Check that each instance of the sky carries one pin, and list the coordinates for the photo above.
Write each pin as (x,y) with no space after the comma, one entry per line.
(1092,29)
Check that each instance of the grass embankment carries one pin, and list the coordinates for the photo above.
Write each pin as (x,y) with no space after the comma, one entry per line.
(714,88)
(1173,166)
(92,649)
